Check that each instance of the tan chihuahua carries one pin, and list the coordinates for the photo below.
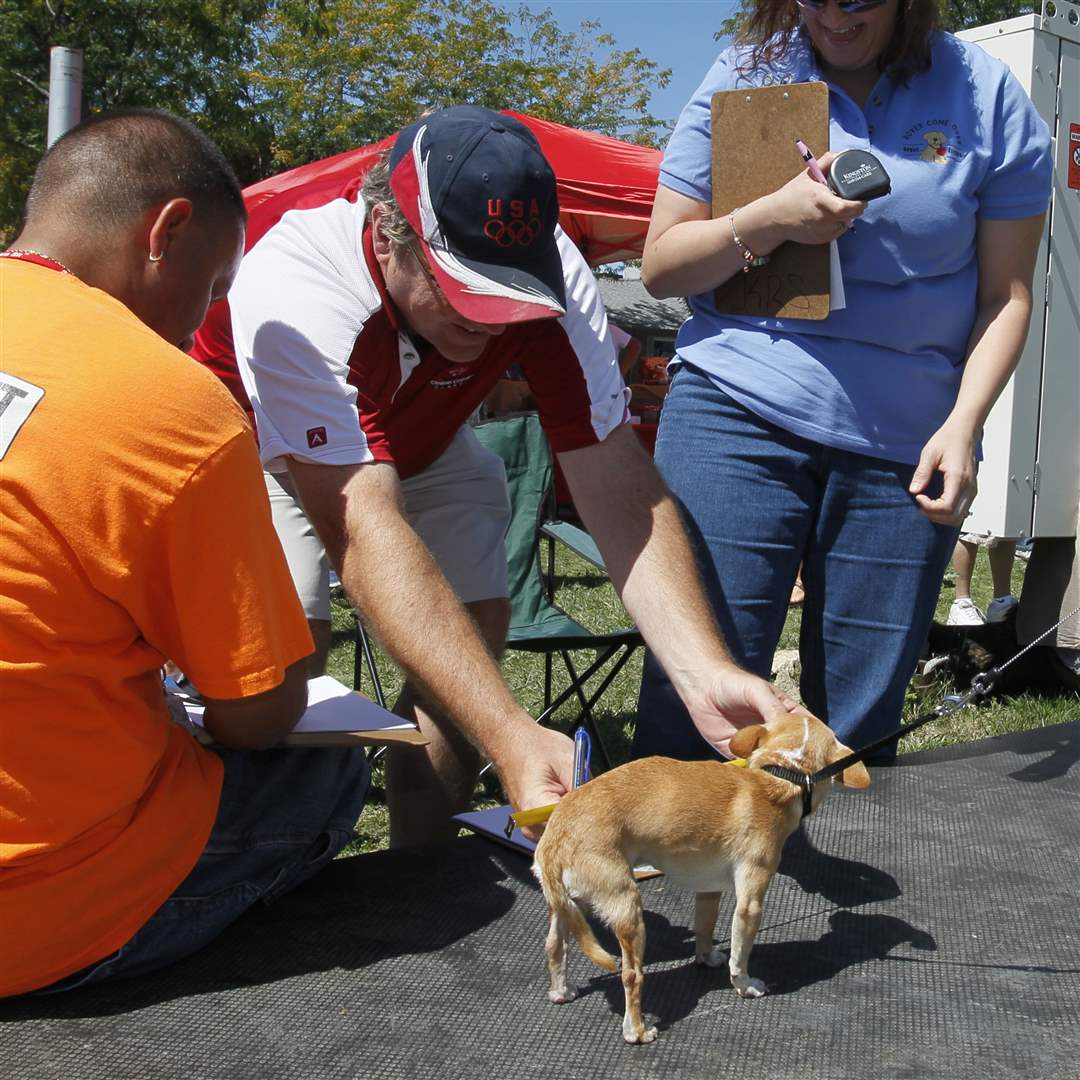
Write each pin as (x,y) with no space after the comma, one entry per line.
(711,827)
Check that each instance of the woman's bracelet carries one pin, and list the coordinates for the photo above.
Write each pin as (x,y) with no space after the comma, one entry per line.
(749,258)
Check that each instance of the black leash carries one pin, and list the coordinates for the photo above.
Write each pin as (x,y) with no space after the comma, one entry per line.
(981,685)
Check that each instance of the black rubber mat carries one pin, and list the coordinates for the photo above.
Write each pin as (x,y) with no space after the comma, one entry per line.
(929,927)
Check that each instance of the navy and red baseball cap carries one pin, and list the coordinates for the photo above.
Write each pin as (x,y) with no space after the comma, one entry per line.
(480,195)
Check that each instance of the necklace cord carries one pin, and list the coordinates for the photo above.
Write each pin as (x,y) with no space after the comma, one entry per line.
(38,258)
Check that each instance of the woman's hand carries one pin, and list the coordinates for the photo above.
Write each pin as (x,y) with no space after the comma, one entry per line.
(951,451)
(807,211)
(688,251)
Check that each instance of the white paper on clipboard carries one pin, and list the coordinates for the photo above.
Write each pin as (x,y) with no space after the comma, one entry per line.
(331,707)
(836,279)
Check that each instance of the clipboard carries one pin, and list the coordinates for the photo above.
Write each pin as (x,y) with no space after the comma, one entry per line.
(490,823)
(335,716)
(753,153)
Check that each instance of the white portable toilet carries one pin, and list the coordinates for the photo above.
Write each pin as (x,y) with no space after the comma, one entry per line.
(1029,480)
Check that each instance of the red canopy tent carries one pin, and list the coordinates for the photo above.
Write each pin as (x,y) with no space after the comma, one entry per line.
(605,186)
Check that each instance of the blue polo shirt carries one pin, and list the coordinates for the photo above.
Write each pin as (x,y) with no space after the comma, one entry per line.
(961,141)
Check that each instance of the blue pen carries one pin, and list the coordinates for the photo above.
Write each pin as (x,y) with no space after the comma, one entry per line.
(582,755)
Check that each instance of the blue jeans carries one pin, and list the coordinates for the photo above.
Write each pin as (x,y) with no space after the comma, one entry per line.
(759,501)
(283,815)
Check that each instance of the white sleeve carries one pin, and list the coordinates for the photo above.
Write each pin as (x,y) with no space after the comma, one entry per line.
(586,326)
(296,313)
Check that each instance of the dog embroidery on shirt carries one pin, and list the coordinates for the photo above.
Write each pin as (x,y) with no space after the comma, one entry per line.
(935,140)
(937,147)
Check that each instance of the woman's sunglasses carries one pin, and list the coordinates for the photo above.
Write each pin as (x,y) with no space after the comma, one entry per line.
(848,7)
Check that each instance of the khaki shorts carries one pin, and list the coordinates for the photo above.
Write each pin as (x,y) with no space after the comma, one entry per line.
(988,542)
(458,506)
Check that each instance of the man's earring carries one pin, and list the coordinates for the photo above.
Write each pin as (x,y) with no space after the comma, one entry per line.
(156,258)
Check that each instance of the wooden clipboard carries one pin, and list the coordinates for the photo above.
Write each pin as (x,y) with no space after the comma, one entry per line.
(753,153)
(409,736)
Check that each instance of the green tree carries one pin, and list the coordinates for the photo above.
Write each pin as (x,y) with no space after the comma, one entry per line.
(961,14)
(278,83)
(337,74)
(955,14)
(187,56)
(562,78)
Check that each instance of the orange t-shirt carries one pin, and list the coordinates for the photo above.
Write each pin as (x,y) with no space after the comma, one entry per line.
(134,526)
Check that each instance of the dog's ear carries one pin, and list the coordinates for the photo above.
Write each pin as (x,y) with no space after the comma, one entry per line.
(745,739)
(854,776)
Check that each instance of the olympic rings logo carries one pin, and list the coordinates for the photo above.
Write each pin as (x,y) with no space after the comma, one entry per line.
(517,231)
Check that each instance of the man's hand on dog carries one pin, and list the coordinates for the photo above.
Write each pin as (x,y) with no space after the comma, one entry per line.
(536,770)
(735,699)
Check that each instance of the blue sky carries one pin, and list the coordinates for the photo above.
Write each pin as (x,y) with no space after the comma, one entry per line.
(675,33)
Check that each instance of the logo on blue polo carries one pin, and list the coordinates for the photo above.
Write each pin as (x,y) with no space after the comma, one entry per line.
(935,141)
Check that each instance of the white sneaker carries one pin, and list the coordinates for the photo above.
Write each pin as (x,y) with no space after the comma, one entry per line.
(927,672)
(964,613)
(1000,608)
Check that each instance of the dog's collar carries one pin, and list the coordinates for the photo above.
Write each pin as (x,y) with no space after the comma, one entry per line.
(803,781)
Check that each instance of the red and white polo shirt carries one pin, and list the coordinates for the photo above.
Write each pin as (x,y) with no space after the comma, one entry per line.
(334,377)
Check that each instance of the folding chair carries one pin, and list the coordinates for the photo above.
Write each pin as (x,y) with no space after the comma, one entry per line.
(364,657)
(537,624)
(362,652)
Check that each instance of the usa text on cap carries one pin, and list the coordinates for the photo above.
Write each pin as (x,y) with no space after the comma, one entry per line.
(480,195)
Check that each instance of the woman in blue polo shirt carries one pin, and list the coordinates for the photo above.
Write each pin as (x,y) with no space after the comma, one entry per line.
(848,444)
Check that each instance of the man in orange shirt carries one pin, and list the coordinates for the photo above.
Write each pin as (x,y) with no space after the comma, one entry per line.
(135,527)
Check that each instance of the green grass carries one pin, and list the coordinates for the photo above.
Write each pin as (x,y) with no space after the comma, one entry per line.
(588,596)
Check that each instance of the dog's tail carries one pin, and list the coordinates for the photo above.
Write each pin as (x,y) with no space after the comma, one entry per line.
(586,939)
(566,911)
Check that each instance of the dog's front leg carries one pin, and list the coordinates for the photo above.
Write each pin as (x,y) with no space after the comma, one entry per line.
(750,885)
(706,908)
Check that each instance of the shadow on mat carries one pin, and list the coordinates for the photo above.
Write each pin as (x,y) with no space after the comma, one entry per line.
(843,882)
(1058,761)
(852,938)
(785,967)
(1057,748)
(358,911)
